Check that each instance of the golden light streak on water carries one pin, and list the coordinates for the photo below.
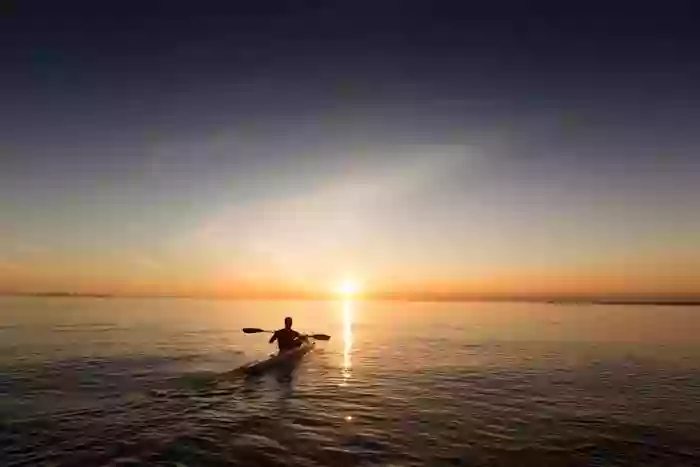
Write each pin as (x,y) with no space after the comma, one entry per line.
(347,339)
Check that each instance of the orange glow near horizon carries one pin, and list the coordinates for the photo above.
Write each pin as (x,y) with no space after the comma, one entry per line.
(642,278)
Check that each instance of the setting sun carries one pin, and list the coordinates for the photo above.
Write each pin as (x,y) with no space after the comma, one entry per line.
(348,288)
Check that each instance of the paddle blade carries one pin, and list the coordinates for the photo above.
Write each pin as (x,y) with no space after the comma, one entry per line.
(252,330)
(321,337)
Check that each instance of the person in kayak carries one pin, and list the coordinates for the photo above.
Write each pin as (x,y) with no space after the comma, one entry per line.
(287,338)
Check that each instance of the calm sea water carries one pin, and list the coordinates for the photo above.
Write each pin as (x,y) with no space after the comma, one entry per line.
(144,382)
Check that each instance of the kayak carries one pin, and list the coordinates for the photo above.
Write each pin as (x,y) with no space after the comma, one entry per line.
(286,359)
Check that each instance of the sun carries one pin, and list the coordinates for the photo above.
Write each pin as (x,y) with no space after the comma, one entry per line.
(347,288)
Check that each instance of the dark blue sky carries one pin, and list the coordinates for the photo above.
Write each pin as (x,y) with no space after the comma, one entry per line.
(434,145)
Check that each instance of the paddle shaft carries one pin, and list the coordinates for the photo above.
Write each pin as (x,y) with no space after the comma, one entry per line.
(320,337)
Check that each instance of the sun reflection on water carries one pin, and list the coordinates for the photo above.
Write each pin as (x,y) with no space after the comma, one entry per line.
(347,339)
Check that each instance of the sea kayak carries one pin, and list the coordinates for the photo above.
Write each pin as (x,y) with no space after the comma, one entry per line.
(282,360)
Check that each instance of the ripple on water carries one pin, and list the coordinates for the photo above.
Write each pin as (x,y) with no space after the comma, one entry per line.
(487,404)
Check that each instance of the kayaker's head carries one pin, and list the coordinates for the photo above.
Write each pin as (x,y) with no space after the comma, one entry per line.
(288,322)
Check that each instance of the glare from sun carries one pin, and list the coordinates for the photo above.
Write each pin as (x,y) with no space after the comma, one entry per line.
(348,288)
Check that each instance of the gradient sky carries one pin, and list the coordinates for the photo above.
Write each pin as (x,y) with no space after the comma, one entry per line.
(417,146)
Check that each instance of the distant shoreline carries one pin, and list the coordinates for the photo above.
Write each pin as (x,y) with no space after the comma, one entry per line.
(554,301)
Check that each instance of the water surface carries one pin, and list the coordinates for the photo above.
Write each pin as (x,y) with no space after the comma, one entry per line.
(145,382)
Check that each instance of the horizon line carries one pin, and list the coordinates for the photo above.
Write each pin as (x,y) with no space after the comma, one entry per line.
(593,299)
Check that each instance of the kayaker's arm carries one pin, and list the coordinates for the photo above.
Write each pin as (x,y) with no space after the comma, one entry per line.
(274,337)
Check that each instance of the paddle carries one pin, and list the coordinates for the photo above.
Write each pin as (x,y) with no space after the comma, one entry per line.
(318,337)
(254,330)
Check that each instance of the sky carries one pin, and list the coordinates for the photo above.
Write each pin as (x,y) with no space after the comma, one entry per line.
(420,148)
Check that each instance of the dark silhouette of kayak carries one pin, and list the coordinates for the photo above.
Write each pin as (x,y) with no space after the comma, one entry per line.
(282,360)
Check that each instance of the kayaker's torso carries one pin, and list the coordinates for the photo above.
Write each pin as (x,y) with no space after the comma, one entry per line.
(287,339)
